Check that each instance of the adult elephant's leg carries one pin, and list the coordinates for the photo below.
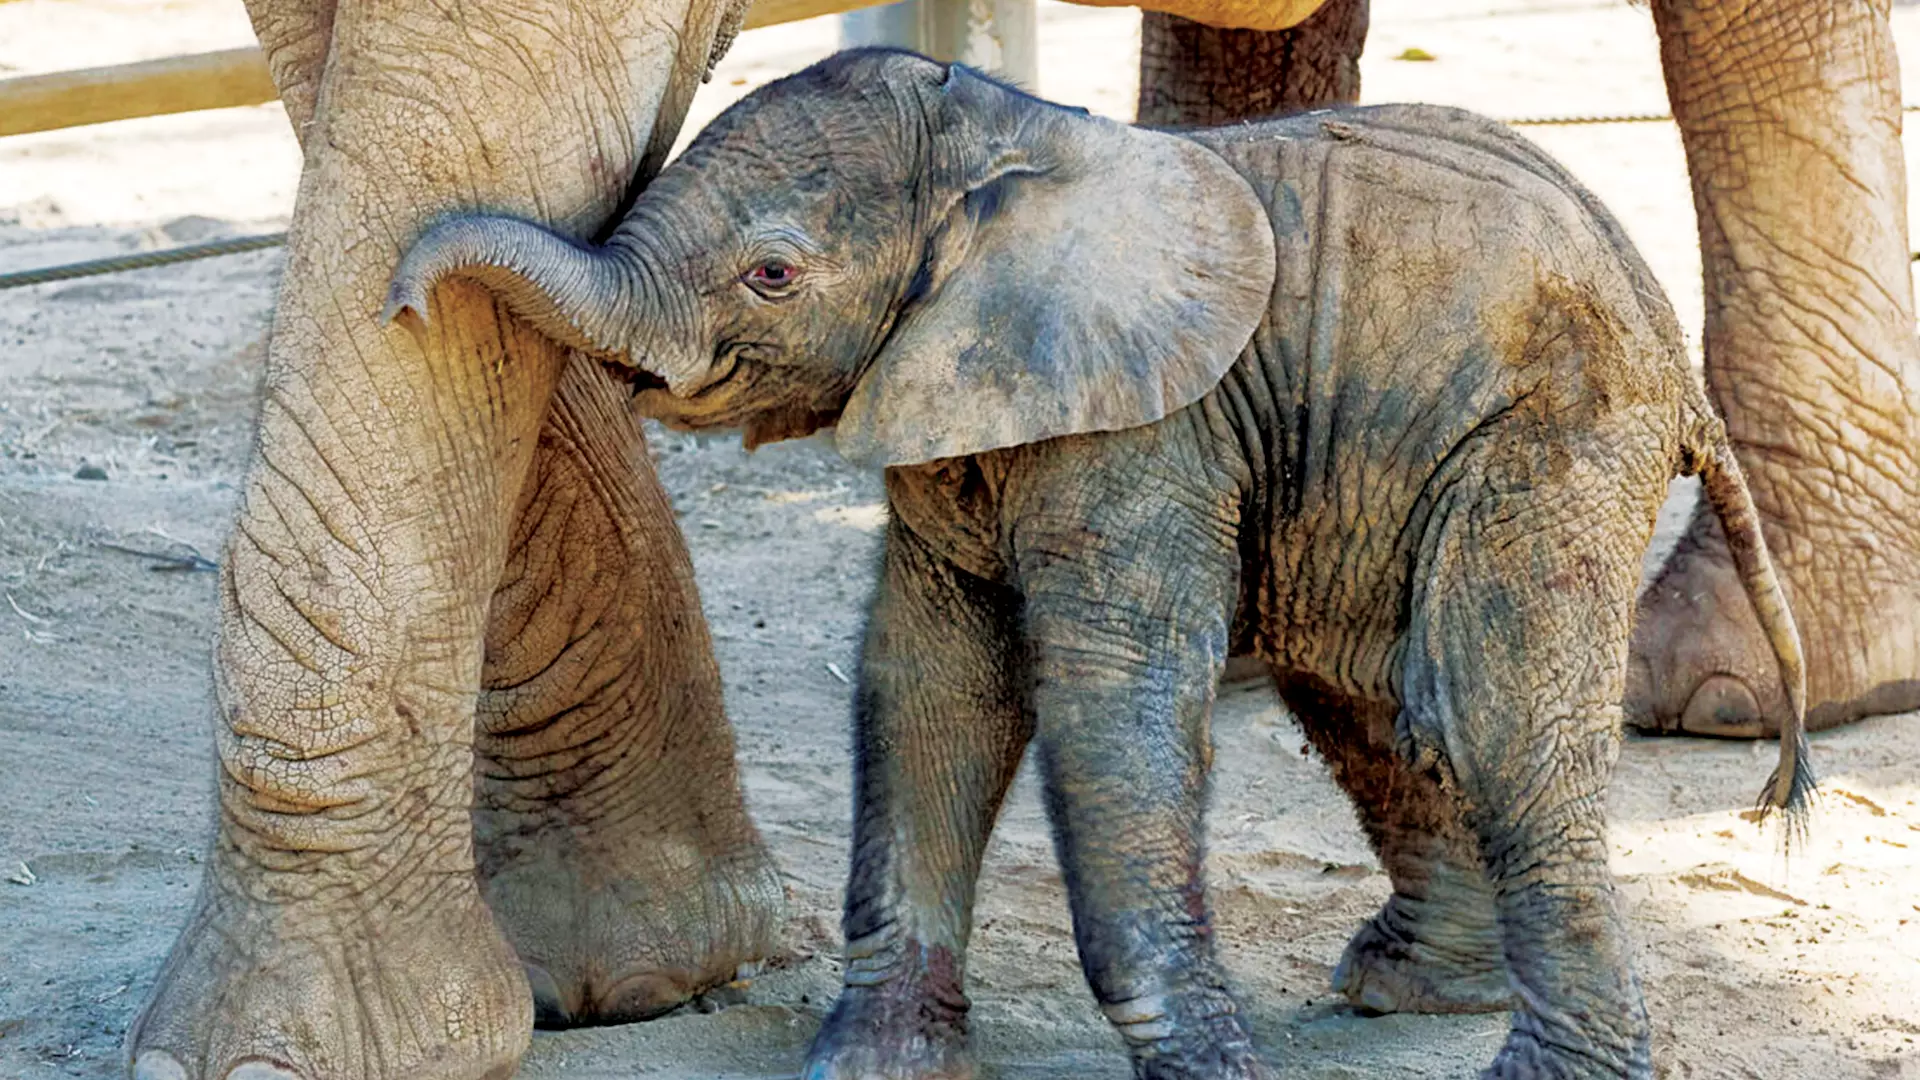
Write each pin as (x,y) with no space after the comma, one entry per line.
(340,930)
(1195,74)
(1434,946)
(612,842)
(622,895)
(295,36)
(1791,119)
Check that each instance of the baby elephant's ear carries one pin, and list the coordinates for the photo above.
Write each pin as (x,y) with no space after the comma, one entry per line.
(1095,277)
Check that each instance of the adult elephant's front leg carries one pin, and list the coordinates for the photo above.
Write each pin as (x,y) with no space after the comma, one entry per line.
(612,842)
(1193,74)
(340,930)
(1791,117)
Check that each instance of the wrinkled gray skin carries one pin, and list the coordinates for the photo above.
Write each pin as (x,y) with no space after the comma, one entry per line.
(460,643)
(1380,397)
(1790,113)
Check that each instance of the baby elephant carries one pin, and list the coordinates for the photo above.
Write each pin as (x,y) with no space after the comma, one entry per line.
(1379,396)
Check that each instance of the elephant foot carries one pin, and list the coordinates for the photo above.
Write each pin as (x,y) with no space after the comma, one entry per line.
(1528,1056)
(901,1029)
(292,992)
(1387,968)
(622,925)
(1700,663)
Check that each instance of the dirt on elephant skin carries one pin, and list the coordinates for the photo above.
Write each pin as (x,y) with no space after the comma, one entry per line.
(126,407)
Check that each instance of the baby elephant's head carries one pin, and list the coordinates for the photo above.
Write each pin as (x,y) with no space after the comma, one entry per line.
(935,262)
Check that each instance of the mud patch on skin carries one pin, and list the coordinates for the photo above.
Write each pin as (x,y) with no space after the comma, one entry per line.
(1889,698)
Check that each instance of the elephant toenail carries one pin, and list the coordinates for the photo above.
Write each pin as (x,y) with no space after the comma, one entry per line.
(550,1008)
(1722,706)
(1637,701)
(158,1065)
(256,1069)
(643,995)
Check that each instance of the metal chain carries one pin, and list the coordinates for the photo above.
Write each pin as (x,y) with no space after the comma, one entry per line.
(1571,121)
(1618,118)
(238,244)
(141,260)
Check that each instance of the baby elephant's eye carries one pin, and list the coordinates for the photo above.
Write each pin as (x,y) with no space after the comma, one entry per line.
(772,276)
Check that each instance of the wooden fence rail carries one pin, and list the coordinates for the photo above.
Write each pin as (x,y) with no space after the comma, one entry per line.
(219,80)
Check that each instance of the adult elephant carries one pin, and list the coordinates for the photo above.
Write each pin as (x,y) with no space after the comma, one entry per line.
(468,707)
(1790,114)
(468,714)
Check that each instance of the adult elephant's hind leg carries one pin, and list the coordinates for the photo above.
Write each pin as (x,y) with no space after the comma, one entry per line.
(1192,74)
(610,835)
(1791,118)
(1434,946)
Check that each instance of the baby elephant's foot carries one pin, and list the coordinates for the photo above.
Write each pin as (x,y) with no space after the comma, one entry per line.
(903,1029)
(1526,1056)
(1388,968)
(1196,1036)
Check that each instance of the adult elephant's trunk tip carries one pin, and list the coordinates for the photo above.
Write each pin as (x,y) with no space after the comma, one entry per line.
(568,292)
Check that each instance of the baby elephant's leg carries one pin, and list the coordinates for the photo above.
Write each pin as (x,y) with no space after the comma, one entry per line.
(1434,947)
(1125,659)
(939,732)
(1514,670)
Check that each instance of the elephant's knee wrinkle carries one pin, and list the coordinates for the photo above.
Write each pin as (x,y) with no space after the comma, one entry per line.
(281,786)
(875,958)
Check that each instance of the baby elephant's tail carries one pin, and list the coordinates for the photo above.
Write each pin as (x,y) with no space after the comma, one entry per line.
(1725,490)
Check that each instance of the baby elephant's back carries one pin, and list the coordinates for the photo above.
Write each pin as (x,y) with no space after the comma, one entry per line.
(1422,229)
(1440,283)
(1408,234)
(1433,265)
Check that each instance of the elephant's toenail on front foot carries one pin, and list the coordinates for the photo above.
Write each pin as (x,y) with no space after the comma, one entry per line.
(551,1008)
(261,1070)
(1722,706)
(158,1065)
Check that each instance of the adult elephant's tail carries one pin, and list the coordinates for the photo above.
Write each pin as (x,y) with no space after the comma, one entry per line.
(1725,489)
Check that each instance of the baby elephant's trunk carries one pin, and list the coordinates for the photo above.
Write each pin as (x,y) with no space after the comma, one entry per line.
(1725,490)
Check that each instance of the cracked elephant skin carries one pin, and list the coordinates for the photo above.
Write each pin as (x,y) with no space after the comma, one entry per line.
(474,770)
(357,624)
(1790,114)
(1379,397)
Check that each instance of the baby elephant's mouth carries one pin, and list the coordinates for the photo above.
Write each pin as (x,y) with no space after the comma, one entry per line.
(638,380)
(652,397)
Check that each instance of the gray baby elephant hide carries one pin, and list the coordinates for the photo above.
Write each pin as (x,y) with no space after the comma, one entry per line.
(1381,397)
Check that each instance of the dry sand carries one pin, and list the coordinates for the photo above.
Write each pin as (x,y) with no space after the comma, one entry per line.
(1753,968)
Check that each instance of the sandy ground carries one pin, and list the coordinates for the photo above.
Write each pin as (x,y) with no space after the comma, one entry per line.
(1753,967)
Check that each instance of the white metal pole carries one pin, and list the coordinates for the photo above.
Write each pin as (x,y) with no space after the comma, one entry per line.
(997,36)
